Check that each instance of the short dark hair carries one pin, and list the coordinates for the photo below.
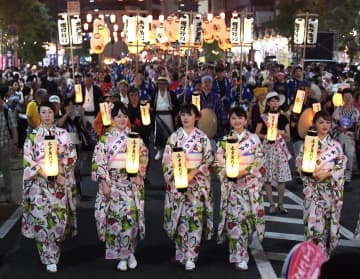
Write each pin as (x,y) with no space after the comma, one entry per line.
(47,104)
(189,108)
(119,106)
(238,111)
(322,113)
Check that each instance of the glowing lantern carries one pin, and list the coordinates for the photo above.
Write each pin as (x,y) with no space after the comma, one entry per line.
(51,157)
(132,153)
(299,100)
(337,99)
(179,166)
(78,94)
(232,157)
(310,152)
(195,99)
(105,113)
(316,107)
(272,127)
(145,113)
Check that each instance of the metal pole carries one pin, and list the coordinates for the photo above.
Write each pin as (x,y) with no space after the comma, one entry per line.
(71,45)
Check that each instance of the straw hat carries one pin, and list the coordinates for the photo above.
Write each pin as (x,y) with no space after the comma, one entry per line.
(162,79)
(274,94)
(258,91)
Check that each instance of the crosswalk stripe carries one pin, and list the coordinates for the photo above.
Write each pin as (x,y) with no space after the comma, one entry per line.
(287,220)
(276,256)
(9,223)
(262,263)
(287,206)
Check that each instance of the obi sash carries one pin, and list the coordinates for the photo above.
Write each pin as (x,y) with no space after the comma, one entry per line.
(118,161)
(326,159)
(193,159)
(246,157)
(116,146)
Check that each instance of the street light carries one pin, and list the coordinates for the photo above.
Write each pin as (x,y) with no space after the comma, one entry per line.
(305,31)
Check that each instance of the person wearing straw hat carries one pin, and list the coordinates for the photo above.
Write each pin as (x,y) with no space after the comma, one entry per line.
(166,107)
(257,108)
(123,90)
(277,155)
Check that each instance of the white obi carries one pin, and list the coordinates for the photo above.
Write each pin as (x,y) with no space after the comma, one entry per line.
(193,160)
(245,160)
(119,161)
(74,137)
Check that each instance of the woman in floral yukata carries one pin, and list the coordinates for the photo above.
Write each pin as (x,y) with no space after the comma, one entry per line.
(189,215)
(119,206)
(49,205)
(241,206)
(323,191)
(277,155)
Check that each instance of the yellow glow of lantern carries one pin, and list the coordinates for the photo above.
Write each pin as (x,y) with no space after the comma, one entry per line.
(132,153)
(195,99)
(272,127)
(105,114)
(78,94)
(310,152)
(51,157)
(316,107)
(337,99)
(145,113)
(299,100)
(179,166)
(232,157)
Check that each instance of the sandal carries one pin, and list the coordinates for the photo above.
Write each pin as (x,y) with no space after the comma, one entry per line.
(272,209)
(282,209)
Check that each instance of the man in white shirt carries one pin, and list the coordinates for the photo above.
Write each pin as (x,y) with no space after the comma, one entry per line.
(92,96)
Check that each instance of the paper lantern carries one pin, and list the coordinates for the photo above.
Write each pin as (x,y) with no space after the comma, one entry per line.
(248,30)
(179,167)
(145,113)
(310,152)
(232,157)
(299,101)
(132,153)
(51,157)
(299,31)
(316,107)
(272,127)
(78,94)
(337,100)
(195,99)
(105,111)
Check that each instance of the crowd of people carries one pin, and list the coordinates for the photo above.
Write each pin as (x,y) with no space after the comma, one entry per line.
(41,102)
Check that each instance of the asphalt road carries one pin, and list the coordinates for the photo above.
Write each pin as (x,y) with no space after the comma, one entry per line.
(83,256)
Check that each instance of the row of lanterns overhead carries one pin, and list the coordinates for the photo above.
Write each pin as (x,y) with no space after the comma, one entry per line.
(189,31)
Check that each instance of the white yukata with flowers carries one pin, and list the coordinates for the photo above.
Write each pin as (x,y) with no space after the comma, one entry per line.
(49,206)
(119,219)
(189,215)
(241,205)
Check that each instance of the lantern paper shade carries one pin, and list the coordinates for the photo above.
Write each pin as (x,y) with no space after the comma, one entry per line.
(310,152)
(316,107)
(299,100)
(232,157)
(337,100)
(272,127)
(195,99)
(78,94)
(145,113)
(132,153)
(105,114)
(51,157)
(179,167)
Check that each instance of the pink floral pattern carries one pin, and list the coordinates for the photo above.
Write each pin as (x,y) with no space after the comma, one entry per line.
(241,205)
(49,207)
(323,200)
(188,215)
(120,219)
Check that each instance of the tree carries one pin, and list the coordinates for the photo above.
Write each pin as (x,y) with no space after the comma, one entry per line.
(33,26)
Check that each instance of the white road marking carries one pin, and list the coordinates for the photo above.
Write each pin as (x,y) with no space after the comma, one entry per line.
(9,223)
